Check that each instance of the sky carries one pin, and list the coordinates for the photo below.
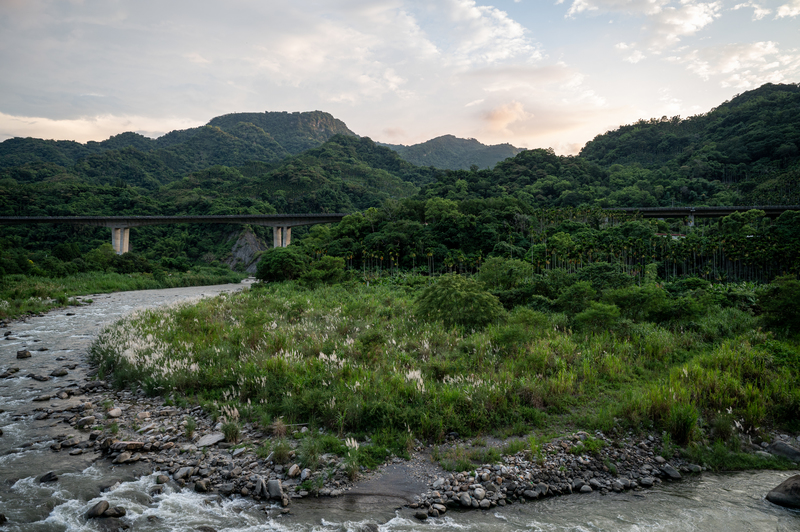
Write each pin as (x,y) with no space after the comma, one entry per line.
(532,73)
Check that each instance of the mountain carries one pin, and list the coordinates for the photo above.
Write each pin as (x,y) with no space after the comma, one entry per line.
(230,140)
(453,153)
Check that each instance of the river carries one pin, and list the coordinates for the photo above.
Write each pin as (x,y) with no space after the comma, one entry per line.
(60,339)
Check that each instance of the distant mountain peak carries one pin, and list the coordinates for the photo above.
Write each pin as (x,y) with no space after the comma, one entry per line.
(454,153)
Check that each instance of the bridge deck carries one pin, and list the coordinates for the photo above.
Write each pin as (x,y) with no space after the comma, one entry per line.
(270,220)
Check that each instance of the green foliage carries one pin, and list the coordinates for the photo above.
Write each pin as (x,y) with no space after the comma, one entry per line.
(309,452)
(598,317)
(232,431)
(281,451)
(191,426)
(576,298)
(327,270)
(457,300)
(498,273)
(281,264)
(779,304)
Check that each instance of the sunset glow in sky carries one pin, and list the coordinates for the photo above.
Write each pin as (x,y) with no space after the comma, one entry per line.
(532,73)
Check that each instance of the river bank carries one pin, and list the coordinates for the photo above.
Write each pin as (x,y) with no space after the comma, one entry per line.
(35,429)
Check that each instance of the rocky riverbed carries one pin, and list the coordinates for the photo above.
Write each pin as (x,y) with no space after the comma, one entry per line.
(61,422)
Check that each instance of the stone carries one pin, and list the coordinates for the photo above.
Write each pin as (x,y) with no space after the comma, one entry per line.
(143,415)
(238,451)
(112,524)
(441,508)
(586,488)
(781,448)
(60,372)
(210,439)
(485,504)
(226,489)
(40,378)
(122,458)
(763,454)
(202,486)
(421,515)
(671,472)
(274,489)
(97,510)
(183,473)
(116,511)
(646,482)
(465,500)
(304,474)
(660,459)
(127,446)
(24,353)
(439,483)
(3,520)
(531,494)
(369,527)
(433,512)
(162,479)
(293,471)
(85,421)
(480,494)
(205,528)
(617,486)
(694,468)
(787,493)
(49,477)
(114,413)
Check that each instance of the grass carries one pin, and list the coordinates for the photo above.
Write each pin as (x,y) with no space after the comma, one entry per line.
(22,295)
(356,360)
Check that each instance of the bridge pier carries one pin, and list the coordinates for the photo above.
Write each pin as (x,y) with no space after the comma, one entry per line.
(120,237)
(281,236)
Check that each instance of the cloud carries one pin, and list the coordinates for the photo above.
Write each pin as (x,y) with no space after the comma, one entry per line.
(759,11)
(667,21)
(742,66)
(792,9)
(89,128)
(500,118)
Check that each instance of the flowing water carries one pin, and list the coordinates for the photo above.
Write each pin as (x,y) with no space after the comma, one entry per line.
(61,338)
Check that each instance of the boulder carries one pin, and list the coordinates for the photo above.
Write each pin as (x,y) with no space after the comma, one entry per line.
(49,477)
(671,472)
(274,489)
(97,510)
(586,488)
(781,448)
(293,471)
(122,458)
(116,511)
(24,353)
(86,421)
(183,473)
(465,500)
(421,515)
(210,439)
(60,372)
(202,486)
(114,413)
(787,493)
(162,479)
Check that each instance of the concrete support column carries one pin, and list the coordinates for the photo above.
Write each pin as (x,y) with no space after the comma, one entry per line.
(115,238)
(287,236)
(276,237)
(126,234)
(691,220)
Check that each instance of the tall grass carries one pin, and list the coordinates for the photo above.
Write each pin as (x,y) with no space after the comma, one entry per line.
(356,360)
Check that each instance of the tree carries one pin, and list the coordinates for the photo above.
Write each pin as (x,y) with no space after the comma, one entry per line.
(281,264)
(457,300)
(779,307)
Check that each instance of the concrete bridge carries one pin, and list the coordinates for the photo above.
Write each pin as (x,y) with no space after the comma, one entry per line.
(121,225)
(771,211)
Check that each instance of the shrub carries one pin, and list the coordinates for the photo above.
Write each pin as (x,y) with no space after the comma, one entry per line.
(779,304)
(682,422)
(282,452)
(457,300)
(598,317)
(309,452)
(327,270)
(637,303)
(576,298)
(231,431)
(281,264)
(498,273)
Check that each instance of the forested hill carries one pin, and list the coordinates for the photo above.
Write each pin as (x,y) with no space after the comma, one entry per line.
(453,153)
(133,159)
(751,142)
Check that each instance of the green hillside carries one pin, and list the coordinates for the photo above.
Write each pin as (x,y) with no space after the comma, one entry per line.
(453,153)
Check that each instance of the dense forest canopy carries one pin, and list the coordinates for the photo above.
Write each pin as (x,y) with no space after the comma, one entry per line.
(746,151)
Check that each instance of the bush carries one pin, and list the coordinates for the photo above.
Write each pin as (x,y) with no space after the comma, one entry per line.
(457,300)
(576,298)
(779,304)
(598,317)
(682,422)
(281,264)
(327,270)
(637,303)
(498,273)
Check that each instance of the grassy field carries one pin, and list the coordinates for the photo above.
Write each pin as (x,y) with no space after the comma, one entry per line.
(22,294)
(359,360)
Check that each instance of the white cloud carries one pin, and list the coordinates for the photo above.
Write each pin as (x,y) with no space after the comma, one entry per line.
(89,128)
(792,9)
(759,11)
(742,66)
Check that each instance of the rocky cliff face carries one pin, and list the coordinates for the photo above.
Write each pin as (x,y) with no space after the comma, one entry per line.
(246,249)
